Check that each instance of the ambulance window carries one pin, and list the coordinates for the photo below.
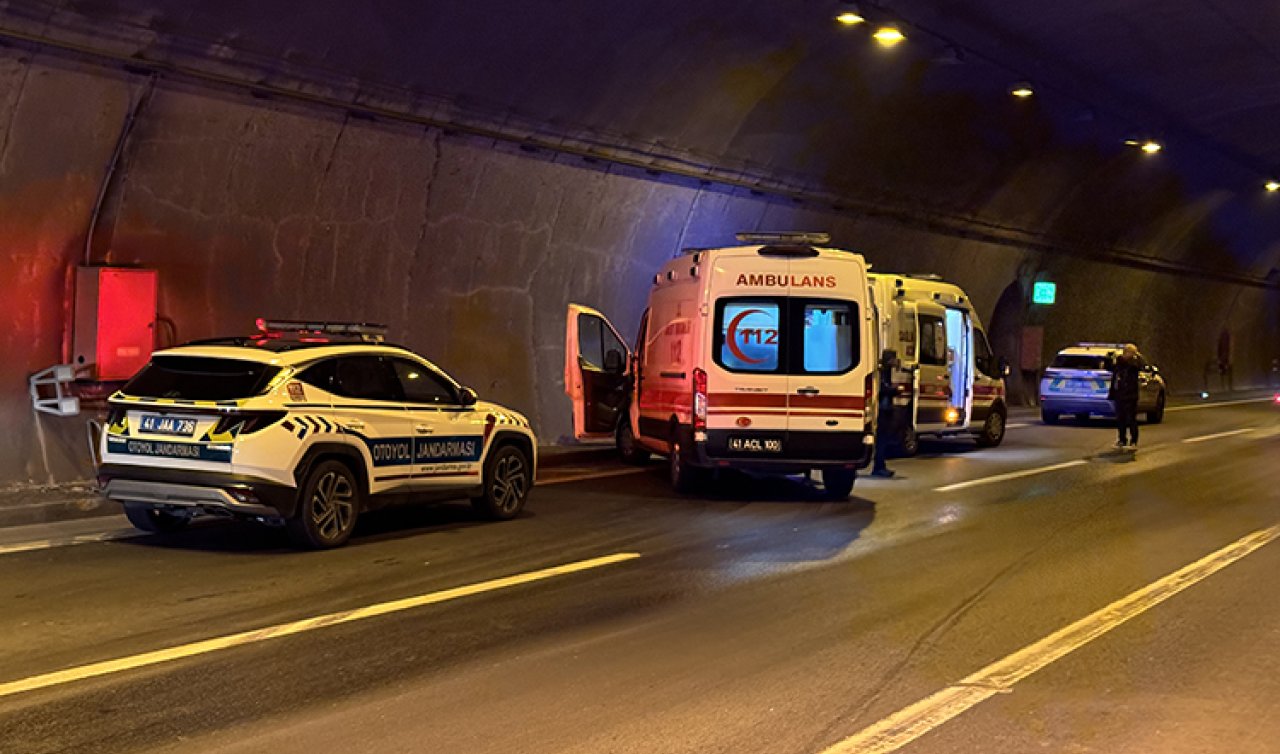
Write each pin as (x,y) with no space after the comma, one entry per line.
(421,385)
(984,358)
(828,337)
(366,378)
(749,335)
(933,341)
(641,348)
(595,340)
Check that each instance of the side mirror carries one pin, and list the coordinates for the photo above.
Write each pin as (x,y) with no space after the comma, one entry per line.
(468,396)
(613,362)
(1002,364)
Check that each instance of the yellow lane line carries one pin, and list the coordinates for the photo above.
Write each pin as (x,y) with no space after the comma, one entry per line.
(277,631)
(908,724)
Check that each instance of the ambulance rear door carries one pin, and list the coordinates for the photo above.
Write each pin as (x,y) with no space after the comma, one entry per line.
(596,377)
(933,393)
(959,326)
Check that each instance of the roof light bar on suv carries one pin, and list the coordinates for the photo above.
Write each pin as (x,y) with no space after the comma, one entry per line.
(783,237)
(365,331)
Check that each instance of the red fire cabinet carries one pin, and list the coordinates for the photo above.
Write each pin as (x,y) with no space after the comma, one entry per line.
(114,321)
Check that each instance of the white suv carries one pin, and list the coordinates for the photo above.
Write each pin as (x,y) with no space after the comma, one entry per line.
(305,425)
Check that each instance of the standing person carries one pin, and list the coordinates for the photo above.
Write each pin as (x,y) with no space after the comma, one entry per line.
(1124,394)
(886,422)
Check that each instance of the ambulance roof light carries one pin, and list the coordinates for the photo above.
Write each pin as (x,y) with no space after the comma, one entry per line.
(783,237)
(366,331)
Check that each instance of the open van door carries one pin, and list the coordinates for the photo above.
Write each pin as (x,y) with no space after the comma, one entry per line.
(596,377)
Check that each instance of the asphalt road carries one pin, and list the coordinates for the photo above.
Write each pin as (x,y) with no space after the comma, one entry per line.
(756,618)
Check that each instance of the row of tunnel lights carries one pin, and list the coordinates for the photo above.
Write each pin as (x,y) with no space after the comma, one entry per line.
(889,35)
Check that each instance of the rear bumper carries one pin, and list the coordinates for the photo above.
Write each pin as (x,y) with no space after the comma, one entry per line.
(208,492)
(801,451)
(1076,405)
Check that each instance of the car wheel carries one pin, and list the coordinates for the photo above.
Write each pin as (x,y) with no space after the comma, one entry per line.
(147,518)
(628,450)
(328,506)
(685,477)
(508,477)
(992,431)
(1049,417)
(1082,418)
(1156,415)
(908,443)
(838,483)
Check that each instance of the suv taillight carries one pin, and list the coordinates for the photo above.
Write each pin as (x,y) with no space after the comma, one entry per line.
(699,400)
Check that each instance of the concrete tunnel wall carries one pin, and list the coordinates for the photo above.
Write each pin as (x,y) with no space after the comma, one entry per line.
(468,250)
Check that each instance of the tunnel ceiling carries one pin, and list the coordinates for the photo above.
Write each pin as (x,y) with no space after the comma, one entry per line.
(778,88)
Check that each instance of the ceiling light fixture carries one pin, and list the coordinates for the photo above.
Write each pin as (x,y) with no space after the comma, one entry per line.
(1151,147)
(1022,91)
(1272,186)
(850,18)
(888,36)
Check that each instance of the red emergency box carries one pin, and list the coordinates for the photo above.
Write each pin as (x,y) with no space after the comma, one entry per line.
(115,321)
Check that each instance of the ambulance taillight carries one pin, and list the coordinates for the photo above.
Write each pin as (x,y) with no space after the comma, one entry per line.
(699,400)
(868,396)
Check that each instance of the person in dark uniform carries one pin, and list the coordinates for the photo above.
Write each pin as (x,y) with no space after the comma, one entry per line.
(887,420)
(1124,391)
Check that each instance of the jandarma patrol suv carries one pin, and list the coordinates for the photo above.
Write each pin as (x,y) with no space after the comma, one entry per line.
(305,424)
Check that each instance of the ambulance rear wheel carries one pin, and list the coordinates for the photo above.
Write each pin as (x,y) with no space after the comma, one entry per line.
(146,518)
(992,433)
(838,483)
(685,477)
(628,450)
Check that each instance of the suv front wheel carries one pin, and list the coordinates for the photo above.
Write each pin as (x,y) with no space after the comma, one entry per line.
(508,476)
(327,507)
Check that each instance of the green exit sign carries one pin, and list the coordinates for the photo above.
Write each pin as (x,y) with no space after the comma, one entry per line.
(1044,293)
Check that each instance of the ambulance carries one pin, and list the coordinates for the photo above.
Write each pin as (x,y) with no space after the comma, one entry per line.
(948,382)
(760,357)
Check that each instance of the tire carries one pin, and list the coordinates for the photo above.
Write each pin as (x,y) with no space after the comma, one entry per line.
(147,518)
(838,483)
(508,477)
(1082,418)
(1049,417)
(1156,415)
(908,443)
(685,477)
(628,450)
(328,506)
(992,433)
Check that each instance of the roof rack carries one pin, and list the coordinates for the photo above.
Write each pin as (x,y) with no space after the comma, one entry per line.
(783,237)
(1118,346)
(365,331)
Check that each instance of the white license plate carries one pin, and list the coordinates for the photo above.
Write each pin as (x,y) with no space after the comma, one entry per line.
(755,444)
(175,426)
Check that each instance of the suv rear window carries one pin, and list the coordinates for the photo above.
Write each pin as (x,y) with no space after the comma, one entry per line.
(768,335)
(1078,361)
(200,378)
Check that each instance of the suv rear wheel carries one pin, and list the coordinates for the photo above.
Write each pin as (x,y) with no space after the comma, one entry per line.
(508,476)
(327,507)
(146,518)
(1156,415)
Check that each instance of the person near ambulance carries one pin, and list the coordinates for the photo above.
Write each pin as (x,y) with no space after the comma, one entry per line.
(886,423)
(1126,371)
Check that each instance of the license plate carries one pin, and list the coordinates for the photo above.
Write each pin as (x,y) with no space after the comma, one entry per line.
(755,444)
(175,426)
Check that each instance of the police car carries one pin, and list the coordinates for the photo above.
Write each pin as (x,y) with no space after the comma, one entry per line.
(305,425)
(1079,379)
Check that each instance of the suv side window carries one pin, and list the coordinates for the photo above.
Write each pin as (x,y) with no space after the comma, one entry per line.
(321,375)
(366,378)
(421,385)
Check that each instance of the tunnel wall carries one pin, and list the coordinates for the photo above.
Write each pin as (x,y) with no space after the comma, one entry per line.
(467,248)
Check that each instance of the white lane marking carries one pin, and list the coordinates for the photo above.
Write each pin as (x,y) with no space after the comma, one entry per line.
(1017,425)
(1008,476)
(133,662)
(1216,435)
(590,475)
(1215,404)
(908,724)
(80,539)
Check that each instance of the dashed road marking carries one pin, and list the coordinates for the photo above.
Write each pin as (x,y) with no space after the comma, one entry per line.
(291,628)
(79,539)
(590,475)
(1216,435)
(908,724)
(1215,404)
(1008,476)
